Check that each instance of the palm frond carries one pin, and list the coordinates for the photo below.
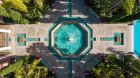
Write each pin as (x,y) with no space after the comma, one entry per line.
(128,6)
(39,3)
(18,4)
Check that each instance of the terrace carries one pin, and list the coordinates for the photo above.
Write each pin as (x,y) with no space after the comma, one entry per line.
(100,45)
(68,39)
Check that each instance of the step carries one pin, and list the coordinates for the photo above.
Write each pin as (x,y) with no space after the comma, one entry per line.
(63,2)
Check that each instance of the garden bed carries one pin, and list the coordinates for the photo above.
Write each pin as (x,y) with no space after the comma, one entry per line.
(120,12)
(112,67)
(27,11)
(27,67)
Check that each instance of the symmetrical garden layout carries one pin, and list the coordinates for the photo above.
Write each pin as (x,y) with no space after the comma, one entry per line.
(35,39)
(66,43)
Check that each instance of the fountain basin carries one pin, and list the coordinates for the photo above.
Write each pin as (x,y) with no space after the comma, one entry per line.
(70,38)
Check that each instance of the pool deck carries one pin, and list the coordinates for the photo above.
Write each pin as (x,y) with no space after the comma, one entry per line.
(40,48)
(107,30)
(31,31)
(99,30)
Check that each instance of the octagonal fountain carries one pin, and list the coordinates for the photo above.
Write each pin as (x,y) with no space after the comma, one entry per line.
(70,38)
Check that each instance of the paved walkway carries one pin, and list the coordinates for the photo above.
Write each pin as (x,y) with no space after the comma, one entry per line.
(61,67)
(79,9)
(41,48)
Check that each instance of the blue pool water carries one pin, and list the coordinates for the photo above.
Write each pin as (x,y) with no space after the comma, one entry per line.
(137,37)
(69,38)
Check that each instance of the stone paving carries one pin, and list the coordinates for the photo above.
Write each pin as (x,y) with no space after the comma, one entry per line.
(90,17)
(61,67)
(79,9)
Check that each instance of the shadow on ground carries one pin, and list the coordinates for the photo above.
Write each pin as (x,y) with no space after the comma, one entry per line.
(60,9)
(59,66)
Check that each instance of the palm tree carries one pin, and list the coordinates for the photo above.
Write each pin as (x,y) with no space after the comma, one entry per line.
(15,4)
(111,67)
(32,71)
(128,6)
(39,3)
(12,14)
(26,68)
(12,8)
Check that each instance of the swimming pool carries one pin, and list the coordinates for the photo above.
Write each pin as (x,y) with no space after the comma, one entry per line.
(70,38)
(137,37)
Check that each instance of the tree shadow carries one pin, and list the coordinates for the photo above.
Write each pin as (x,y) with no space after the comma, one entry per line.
(115,50)
(4,62)
(90,16)
(57,66)
(48,58)
(57,11)
(119,53)
(88,62)
(37,49)
(91,60)
(79,7)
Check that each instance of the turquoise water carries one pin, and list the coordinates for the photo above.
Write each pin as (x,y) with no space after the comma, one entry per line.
(137,37)
(70,38)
